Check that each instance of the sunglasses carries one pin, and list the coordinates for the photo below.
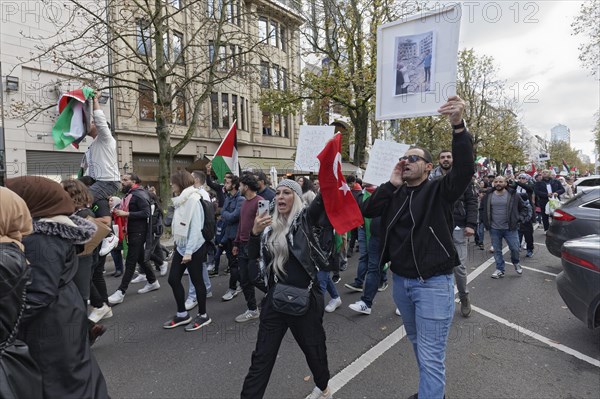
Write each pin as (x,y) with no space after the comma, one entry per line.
(413,158)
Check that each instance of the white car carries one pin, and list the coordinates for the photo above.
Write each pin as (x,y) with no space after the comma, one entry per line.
(585,184)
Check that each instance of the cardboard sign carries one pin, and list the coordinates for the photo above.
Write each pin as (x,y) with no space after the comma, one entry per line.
(310,143)
(383,157)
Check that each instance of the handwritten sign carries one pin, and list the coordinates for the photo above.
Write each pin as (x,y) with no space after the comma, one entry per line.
(311,142)
(383,157)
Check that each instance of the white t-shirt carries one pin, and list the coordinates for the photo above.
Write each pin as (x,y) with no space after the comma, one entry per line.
(101,161)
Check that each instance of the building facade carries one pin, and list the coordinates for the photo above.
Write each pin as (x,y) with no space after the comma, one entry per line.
(190,43)
(560,133)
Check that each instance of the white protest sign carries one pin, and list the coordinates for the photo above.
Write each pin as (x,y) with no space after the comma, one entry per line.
(383,157)
(311,142)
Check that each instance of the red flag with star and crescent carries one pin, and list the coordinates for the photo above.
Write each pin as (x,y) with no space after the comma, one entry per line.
(340,205)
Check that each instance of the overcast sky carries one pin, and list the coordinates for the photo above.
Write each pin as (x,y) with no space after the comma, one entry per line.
(532,45)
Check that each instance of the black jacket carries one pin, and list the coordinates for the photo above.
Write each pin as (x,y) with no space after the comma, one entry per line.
(516,208)
(300,243)
(465,208)
(54,323)
(430,206)
(20,376)
(541,191)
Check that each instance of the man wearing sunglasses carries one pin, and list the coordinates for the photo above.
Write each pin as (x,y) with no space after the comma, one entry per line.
(416,237)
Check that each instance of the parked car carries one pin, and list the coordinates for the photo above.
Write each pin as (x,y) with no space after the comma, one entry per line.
(579,282)
(586,183)
(578,217)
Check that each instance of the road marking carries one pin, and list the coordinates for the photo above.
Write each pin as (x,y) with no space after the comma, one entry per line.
(366,359)
(339,380)
(535,270)
(539,243)
(539,337)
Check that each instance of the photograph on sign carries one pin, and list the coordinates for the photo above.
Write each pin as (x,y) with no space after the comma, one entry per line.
(382,158)
(414,61)
(417,63)
(310,143)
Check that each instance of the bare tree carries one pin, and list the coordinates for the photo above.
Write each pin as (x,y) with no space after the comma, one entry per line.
(160,58)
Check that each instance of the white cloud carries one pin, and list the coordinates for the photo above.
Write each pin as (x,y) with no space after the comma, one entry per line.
(533,46)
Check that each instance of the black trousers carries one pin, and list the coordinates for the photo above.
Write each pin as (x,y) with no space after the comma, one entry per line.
(248,272)
(308,332)
(195,269)
(157,255)
(135,255)
(526,230)
(98,292)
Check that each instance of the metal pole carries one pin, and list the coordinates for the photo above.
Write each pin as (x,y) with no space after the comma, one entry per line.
(2,140)
(110,71)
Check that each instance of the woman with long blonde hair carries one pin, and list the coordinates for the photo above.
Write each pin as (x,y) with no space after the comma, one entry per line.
(284,244)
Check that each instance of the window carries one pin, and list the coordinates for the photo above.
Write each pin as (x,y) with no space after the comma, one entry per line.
(275,77)
(593,204)
(146,101)
(284,84)
(143,38)
(178,47)
(225,109)
(233,57)
(262,29)
(242,114)
(222,58)
(211,51)
(277,125)
(214,110)
(210,9)
(166,46)
(234,107)
(266,123)
(179,112)
(264,74)
(282,39)
(273,33)
(232,15)
(175,3)
(284,126)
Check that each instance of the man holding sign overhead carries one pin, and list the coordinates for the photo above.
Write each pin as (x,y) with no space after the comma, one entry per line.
(416,231)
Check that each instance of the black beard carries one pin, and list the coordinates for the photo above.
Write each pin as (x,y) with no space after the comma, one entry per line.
(125,189)
(498,188)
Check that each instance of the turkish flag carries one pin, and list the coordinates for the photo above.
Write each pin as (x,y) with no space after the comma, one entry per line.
(340,205)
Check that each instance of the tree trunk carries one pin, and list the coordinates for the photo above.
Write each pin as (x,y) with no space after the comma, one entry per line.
(165,156)
(361,123)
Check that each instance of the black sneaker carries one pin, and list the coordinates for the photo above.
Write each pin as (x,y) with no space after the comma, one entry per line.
(354,287)
(199,322)
(213,273)
(177,321)
(343,265)
(336,278)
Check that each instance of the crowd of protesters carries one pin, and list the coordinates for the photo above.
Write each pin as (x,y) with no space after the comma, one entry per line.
(55,277)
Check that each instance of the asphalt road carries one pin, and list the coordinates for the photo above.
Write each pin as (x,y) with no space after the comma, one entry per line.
(520,342)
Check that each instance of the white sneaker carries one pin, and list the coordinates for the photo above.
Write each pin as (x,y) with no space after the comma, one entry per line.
(248,315)
(117,297)
(98,314)
(360,307)
(398,312)
(318,394)
(210,267)
(209,294)
(164,268)
(333,304)
(229,295)
(149,287)
(190,303)
(139,279)
(186,271)
(108,244)
(492,249)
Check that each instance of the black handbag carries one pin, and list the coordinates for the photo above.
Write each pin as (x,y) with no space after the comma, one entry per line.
(291,300)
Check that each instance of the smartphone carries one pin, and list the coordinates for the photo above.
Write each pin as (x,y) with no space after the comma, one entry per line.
(263,206)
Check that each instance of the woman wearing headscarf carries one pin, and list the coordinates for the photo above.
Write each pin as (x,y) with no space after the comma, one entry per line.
(19,374)
(54,323)
(284,245)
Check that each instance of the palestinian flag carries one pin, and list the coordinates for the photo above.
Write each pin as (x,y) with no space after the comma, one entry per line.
(74,118)
(565,167)
(226,157)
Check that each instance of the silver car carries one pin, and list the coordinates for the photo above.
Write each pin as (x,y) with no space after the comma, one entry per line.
(579,216)
(579,282)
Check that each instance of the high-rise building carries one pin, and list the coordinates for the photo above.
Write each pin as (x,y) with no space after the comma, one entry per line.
(560,133)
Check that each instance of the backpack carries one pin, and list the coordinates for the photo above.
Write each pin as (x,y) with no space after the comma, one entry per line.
(156,218)
(209,228)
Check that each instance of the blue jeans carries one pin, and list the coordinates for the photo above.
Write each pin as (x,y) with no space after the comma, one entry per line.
(480,232)
(373,274)
(427,309)
(512,239)
(326,284)
(207,284)
(365,258)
